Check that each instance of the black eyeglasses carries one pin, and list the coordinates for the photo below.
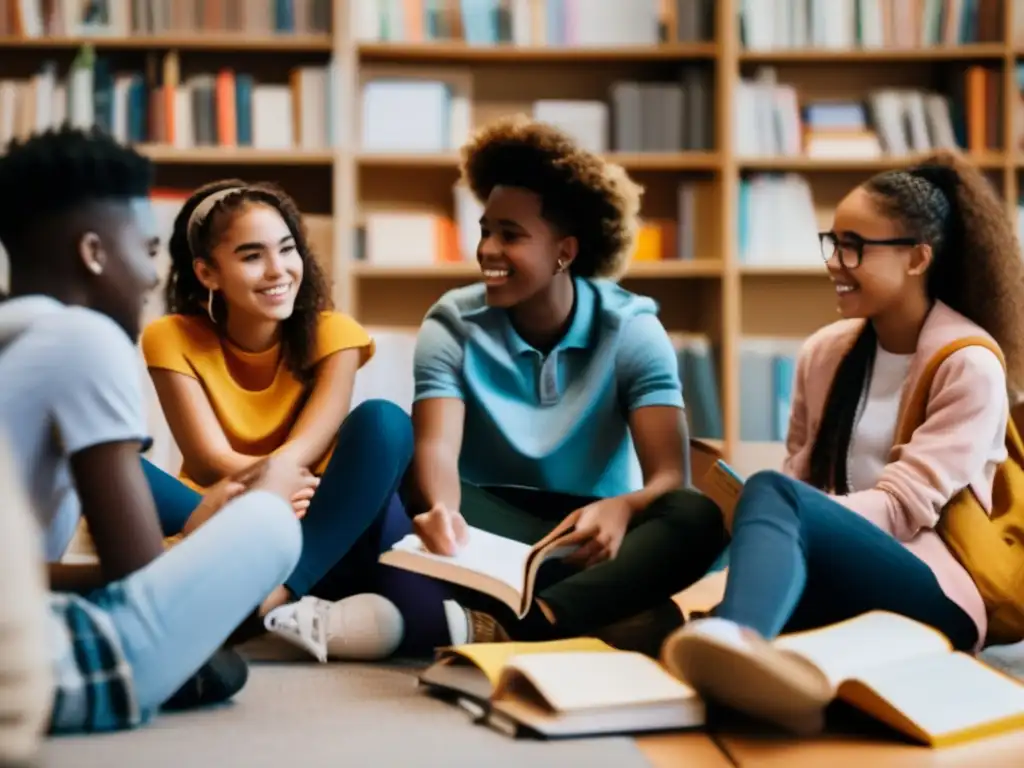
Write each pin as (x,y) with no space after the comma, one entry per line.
(850,251)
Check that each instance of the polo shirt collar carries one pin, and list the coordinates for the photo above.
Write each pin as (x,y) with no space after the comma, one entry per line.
(579,333)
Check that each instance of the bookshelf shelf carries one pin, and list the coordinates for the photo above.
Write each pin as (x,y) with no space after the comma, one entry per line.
(443,52)
(282,43)
(988,161)
(244,156)
(634,161)
(938,53)
(796,270)
(698,268)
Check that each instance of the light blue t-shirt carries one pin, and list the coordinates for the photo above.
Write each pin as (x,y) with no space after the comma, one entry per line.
(556,423)
(69,379)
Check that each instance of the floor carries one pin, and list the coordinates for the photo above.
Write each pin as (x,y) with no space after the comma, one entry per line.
(295,713)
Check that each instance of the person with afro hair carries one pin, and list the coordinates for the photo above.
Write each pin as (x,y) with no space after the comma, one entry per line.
(131,628)
(539,387)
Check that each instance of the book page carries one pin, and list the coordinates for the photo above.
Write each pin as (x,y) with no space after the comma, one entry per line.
(485,553)
(874,639)
(585,681)
(491,658)
(947,693)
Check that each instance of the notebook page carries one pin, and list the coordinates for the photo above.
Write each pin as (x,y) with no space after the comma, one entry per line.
(946,693)
(595,680)
(486,553)
(874,639)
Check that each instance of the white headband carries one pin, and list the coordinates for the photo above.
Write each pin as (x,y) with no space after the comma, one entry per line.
(202,210)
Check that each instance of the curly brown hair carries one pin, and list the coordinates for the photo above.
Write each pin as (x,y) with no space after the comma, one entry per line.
(582,195)
(185,295)
(976,269)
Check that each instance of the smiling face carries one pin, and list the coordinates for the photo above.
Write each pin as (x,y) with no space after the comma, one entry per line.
(519,251)
(256,265)
(886,271)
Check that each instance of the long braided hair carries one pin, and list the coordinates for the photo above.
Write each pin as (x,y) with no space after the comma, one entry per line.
(976,270)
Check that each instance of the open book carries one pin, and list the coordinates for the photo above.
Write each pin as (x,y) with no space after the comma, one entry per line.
(906,675)
(713,477)
(502,568)
(565,688)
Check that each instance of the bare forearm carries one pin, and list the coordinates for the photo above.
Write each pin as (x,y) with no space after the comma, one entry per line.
(75,578)
(655,487)
(436,475)
(213,469)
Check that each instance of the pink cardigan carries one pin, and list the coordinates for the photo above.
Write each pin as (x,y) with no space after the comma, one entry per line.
(959,445)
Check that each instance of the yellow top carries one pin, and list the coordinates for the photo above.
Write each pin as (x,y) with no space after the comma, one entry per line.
(255,397)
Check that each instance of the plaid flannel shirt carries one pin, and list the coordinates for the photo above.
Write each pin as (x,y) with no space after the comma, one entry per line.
(94,688)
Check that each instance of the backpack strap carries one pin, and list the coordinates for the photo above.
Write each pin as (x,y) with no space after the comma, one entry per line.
(914,412)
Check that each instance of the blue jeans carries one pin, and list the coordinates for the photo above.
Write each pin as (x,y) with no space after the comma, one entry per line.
(353,517)
(175,612)
(800,560)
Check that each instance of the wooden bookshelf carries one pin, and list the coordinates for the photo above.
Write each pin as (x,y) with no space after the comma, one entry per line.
(714,293)
(728,299)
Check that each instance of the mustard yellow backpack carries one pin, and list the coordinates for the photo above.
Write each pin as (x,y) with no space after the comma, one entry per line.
(990,546)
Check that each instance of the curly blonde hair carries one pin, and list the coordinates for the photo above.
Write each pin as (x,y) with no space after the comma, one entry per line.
(582,195)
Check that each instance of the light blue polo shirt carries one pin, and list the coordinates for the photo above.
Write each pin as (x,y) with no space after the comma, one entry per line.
(557,423)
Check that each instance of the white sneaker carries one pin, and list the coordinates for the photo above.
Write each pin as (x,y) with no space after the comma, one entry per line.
(365,627)
(735,667)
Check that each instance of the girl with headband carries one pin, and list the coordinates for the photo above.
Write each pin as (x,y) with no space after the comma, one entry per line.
(251,361)
(920,258)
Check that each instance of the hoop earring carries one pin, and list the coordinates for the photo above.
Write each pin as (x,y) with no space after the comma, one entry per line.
(209,307)
(561,266)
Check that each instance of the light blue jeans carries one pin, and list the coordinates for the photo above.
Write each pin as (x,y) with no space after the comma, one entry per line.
(180,608)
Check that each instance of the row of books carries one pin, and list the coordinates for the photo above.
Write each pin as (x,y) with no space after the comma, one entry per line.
(772,120)
(224,108)
(844,24)
(562,23)
(636,117)
(391,237)
(125,18)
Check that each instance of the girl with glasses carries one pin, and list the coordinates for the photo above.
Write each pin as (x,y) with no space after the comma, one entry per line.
(919,257)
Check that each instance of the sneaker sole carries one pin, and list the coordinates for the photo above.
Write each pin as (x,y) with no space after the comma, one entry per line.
(788,694)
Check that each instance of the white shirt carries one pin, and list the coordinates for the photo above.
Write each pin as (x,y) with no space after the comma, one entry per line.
(875,429)
(71,380)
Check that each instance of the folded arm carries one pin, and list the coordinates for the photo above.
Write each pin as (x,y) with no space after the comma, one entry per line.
(207,455)
(325,409)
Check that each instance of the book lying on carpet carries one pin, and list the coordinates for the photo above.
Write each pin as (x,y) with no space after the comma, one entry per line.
(907,676)
(503,568)
(563,689)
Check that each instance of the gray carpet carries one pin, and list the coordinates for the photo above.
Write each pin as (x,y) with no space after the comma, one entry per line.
(312,716)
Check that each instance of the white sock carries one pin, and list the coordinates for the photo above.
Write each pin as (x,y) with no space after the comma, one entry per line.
(365,627)
(722,630)
(458,623)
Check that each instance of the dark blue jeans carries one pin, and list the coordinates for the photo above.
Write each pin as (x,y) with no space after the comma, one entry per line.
(800,560)
(353,517)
